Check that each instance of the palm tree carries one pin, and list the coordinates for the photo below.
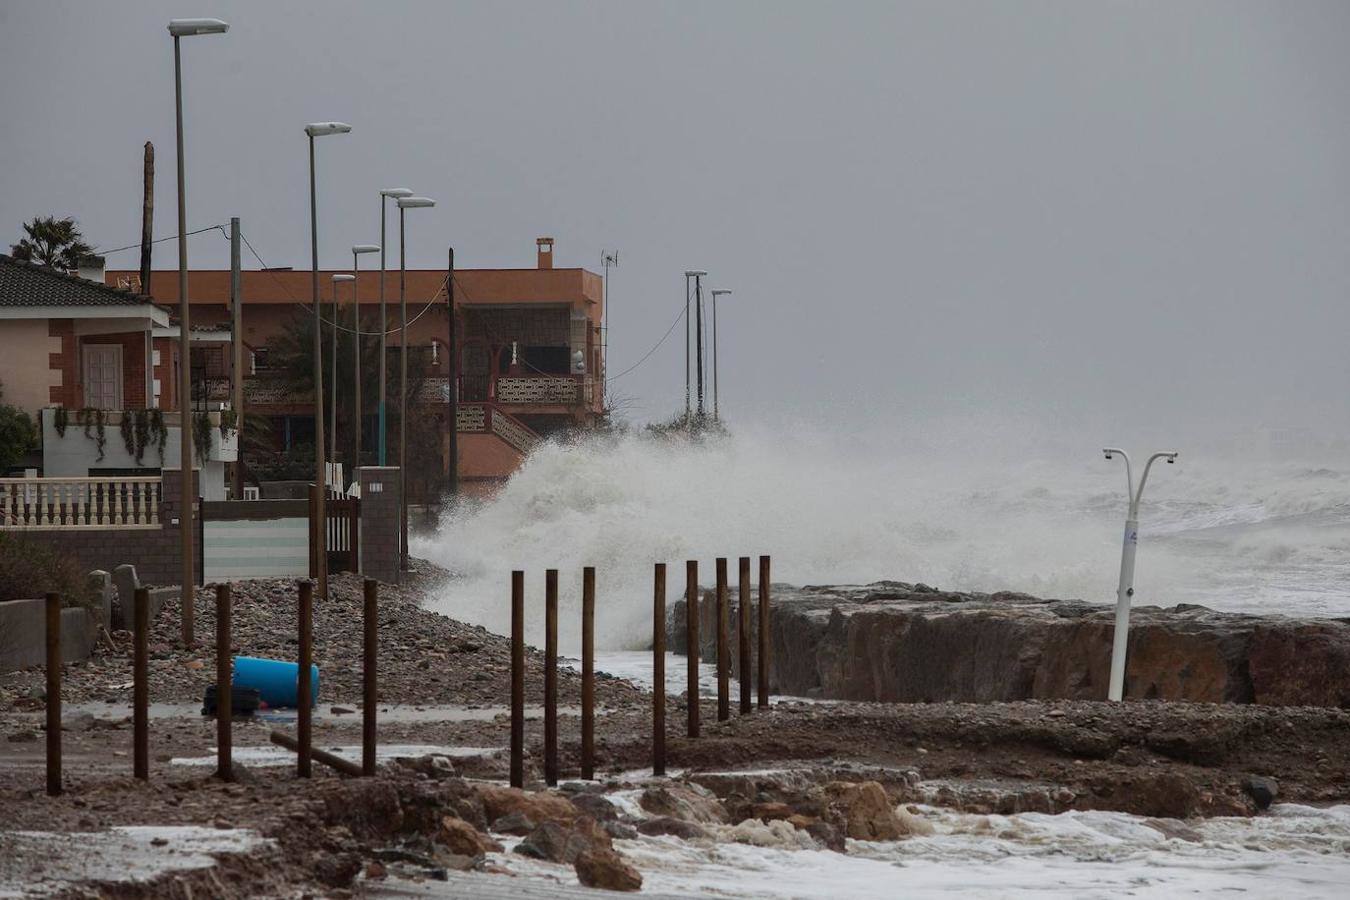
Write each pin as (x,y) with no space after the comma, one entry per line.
(56,243)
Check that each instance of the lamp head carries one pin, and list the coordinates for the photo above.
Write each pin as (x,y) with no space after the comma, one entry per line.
(693,274)
(365,248)
(395,192)
(415,202)
(1108,453)
(720,293)
(190,27)
(343,276)
(319,129)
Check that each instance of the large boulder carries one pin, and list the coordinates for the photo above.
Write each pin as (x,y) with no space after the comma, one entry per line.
(556,843)
(537,806)
(678,800)
(863,811)
(606,869)
(462,838)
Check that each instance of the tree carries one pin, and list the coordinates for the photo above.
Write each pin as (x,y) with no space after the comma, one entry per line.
(56,243)
(18,435)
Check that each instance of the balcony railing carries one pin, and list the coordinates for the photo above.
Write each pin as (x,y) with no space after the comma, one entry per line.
(557,389)
(50,504)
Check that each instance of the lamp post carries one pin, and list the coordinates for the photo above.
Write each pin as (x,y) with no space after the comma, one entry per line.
(698,337)
(715,294)
(385,194)
(1125,591)
(404,204)
(338,278)
(319,129)
(181,28)
(357,250)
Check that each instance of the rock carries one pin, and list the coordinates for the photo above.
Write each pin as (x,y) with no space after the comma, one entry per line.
(595,806)
(340,710)
(434,766)
(540,806)
(863,811)
(683,801)
(621,830)
(516,823)
(768,812)
(368,807)
(79,722)
(1263,791)
(676,827)
(460,837)
(375,871)
(606,869)
(556,843)
(338,869)
(22,737)
(827,836)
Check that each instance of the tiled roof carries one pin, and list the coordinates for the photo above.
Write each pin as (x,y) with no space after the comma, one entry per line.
(28,284)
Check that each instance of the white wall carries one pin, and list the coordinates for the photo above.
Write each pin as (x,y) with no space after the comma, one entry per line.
(75,455)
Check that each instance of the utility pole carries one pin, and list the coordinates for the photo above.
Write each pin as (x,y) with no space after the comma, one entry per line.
(607,260)
(715,294)
(147,218)
(452,383)
(698,334)
(237,360)
(686,347)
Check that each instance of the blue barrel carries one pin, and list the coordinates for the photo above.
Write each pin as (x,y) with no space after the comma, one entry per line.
(275,680)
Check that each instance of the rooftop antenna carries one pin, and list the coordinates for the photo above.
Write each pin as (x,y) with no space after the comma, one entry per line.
(608,260)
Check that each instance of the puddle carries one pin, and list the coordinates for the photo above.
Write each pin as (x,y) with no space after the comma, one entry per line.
(271,755)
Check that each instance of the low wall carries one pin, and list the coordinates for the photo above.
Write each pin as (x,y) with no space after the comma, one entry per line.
(23,634)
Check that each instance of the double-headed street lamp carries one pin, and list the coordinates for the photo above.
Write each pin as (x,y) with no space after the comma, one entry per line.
(181,28)
(357,250)
(314,130)
(404,204)
(385,194)
(338,278)
(715,294)
(1125,591)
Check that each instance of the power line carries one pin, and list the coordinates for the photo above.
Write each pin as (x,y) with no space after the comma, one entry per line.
(172,237)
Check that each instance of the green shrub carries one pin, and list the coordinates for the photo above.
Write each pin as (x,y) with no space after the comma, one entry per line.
(30,569)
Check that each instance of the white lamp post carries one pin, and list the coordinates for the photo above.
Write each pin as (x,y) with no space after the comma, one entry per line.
(357,250)
(397,194)
(404,204)
(181,28)
(1124,593)
(715,294)
(338,278)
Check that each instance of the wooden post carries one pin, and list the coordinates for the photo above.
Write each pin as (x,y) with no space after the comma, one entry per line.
(659,670)
(551,677)
(303,712)
(224,687)
(588,673)
(140,686)
(370,696)
(764,632)
(691,640)
(147,217)
(313,531)
(332,760)
(723,650)
(517,679)
(53,694)
(743,633)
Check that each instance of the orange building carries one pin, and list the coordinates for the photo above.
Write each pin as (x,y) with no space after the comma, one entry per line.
(528,361)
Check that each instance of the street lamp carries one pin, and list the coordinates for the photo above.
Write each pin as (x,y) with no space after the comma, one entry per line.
(314,130)
(338,278)
(385,194)
(181,28)
(404,204)
(1124,593)
(715,294)
(357,250)
(687,276)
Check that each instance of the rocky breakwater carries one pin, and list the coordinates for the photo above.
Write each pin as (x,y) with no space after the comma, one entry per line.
(910,643)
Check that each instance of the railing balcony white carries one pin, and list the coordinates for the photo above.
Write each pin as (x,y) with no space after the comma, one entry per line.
(51,504)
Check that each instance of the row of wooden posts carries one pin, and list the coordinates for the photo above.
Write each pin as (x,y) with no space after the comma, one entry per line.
(302,743)
(692,651)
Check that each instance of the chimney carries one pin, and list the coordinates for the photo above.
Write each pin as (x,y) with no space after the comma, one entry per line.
(90,267)
(545,245)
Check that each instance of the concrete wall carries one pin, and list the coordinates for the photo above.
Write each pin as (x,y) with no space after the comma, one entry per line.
(76,456)
(23,634)
(25,373)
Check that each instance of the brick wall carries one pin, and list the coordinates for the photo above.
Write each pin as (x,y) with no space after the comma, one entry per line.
(156,553)
(67,393)
(133,364)
(380,523)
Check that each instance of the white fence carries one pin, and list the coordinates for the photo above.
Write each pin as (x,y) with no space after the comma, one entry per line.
(51,504)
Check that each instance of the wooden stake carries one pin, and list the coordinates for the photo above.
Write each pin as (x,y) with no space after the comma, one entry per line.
(692,650)
(723,650)
(54,694)
(332,760)
(140,685)
(224,687)
(764,632)
(551,677)
(370,695)
(588,673)
(303,718)
(517,679)
(743,633)
(659,670)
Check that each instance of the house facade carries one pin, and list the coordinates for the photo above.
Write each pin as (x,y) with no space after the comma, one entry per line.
(527,361)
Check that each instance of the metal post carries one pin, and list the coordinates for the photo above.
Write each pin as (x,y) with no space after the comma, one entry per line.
(319,452)
(698,338)
(237,360)
(764,632)
(716,410)
(224,687)
(743,633)
(517,679)
(588,673)
(686,347)
(691,640)
(356,364)
(384,328)
(452,383)
(659,670)
(402,396)
(333,382)
(54,694)
(370,695)
(723,650)
(140,686)
(184,369)
(551,677)
(302,700)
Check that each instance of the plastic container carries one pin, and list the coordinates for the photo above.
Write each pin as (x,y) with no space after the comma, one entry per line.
(275,680)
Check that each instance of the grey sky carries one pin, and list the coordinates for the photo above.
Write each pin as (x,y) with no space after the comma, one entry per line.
(924,208)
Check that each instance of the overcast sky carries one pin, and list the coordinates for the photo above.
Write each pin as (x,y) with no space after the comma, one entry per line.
(1124,213)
